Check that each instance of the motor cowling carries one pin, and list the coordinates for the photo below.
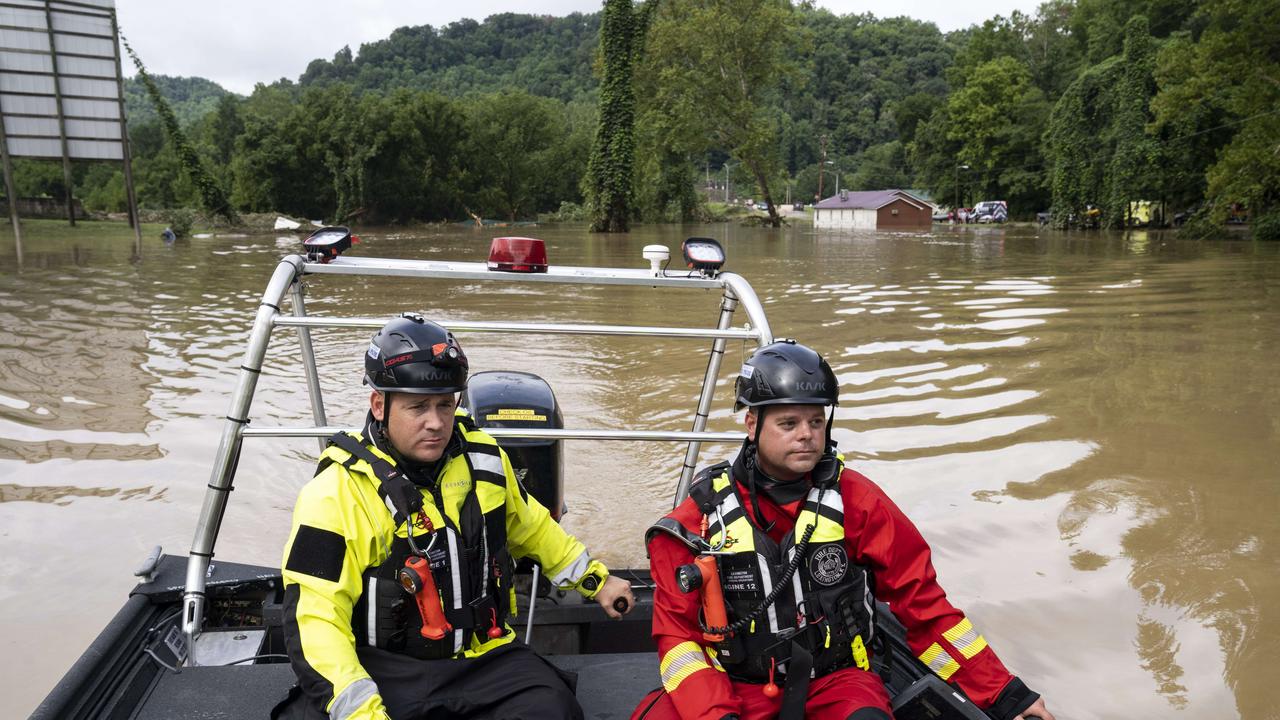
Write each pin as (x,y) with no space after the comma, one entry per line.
(511,399)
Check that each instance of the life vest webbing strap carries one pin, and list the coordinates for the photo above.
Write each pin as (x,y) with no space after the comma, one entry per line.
(796,692)
(396,490)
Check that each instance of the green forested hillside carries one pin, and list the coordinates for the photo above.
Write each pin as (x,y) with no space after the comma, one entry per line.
(190,97)
(542,55)
(1083,103)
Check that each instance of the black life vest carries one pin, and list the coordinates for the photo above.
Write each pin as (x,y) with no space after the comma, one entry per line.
(828,608)
(469,559)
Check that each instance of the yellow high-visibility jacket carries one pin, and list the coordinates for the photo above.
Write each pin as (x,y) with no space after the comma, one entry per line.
(342,527)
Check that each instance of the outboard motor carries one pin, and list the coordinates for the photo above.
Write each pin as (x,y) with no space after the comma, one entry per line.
(509,399)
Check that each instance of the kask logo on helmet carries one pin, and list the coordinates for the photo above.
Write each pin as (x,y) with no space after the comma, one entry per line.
(803,386)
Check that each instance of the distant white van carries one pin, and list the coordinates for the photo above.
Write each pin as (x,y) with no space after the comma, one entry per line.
(991,211)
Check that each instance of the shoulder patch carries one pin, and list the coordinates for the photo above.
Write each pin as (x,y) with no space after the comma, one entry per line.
(318,553)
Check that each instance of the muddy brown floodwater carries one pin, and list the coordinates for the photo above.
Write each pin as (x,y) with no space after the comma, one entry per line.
(1086,427)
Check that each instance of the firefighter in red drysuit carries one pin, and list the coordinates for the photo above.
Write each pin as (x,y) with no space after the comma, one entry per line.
(788,517)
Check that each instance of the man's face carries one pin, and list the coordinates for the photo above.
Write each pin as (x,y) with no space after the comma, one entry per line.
(791,439)
(419,426)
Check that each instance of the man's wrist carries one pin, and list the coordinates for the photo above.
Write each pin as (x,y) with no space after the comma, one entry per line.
(593,579)
(1013,700)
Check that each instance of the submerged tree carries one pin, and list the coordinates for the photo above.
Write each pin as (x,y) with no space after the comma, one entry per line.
(1131,172)
(715,66)
(610,171)
(1224,83)
(1102,152)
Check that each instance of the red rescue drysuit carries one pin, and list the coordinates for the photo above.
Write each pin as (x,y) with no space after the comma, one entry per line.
(877,535)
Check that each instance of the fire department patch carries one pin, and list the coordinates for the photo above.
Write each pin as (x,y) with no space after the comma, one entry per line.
(828,564)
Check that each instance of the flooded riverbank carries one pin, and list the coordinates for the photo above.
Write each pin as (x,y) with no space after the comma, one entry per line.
(1085,426)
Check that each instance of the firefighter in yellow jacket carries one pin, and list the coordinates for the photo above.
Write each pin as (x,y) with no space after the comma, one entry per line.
(399,566)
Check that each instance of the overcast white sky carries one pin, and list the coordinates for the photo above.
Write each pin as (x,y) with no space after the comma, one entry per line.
(238,43)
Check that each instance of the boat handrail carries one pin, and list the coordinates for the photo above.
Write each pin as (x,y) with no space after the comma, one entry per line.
(287,279)
(448,270)
(317,321)
(526,434)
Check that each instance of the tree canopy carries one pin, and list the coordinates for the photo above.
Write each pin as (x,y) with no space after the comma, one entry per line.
(1081,103)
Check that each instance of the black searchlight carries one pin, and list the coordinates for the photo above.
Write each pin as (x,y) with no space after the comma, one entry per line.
(327,243)
(703,254)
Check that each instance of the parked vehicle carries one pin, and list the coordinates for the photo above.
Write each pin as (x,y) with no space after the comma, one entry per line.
(1144,213)
(991,211)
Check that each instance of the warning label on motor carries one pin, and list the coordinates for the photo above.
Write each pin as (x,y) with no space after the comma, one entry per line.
(515,414)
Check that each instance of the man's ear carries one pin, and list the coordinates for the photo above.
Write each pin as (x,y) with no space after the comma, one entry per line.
(377,405)
(750,420)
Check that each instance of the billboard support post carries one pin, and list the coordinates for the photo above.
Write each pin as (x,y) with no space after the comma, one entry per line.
(62,118)
(10,194)
(131,197)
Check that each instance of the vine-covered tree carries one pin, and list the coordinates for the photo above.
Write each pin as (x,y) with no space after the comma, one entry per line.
(1102,151)
(213,198)
(611,168)
(1131,174)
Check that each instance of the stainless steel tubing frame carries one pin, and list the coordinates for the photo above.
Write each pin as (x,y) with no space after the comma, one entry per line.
(736,290)
(308,359)
(527,433)
(224,464)
(287,276)
(530,328)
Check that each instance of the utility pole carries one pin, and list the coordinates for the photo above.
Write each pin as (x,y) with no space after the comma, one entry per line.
(822,164)
(958,169)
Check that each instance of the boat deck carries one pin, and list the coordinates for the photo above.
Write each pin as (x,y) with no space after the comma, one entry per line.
(123,674)
(609,686)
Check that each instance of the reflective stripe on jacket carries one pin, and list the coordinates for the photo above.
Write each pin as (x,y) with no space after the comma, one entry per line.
(342,527)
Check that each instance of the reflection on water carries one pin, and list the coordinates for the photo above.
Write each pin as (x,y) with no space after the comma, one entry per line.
(1084,426)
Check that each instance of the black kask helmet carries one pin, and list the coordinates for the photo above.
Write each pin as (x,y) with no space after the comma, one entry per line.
(786,373)
(412,355)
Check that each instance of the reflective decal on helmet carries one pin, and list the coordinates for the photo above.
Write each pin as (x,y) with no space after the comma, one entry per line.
(374,352)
